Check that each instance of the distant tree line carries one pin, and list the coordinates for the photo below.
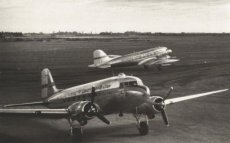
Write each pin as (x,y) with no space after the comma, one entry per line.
(126,33)
(160,33)
(19,36)
(67,33)
(4,35)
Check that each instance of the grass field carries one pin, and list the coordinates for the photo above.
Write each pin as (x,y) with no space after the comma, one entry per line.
(204,66)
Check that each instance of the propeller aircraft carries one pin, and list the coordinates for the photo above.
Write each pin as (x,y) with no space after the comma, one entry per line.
(79,104)
(158,56)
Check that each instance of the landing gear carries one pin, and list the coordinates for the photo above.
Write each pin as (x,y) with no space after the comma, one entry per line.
(76,134)
(121,114)
(142,124)
(143,128)
(75,131)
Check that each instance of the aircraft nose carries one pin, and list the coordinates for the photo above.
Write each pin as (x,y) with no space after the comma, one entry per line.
(169,51)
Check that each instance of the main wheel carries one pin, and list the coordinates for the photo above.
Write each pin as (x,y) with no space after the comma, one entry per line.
(76,134)
(143,128)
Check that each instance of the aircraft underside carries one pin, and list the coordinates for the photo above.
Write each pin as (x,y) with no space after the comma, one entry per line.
(124,64)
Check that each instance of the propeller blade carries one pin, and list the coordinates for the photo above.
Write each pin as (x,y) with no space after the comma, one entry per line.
(170,90)
(164,116)
(102,118)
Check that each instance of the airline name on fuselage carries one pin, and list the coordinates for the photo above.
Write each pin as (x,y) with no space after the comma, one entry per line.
(158,53)
(100,87)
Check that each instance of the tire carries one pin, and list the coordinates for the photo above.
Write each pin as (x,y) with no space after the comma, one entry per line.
(143,128)
(76,134)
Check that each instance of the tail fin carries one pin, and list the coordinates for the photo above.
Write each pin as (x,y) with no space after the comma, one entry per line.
(100,57)
(47,83)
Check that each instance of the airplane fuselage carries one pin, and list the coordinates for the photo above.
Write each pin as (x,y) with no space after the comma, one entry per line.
(115,94)
(135,58)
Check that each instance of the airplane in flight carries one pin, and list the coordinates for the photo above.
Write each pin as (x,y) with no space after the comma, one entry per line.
(158,56)
(79,104)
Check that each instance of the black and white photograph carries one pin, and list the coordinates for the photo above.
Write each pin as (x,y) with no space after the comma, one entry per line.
(114,71)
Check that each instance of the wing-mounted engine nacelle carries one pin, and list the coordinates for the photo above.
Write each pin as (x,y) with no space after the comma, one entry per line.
(150,108)
(83,111)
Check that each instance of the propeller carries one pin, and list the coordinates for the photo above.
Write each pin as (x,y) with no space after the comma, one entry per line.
(161,106)
(164,116)
(163,113)
(95,110)
(102,118)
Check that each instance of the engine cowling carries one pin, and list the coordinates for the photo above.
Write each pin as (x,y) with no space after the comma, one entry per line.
(150,108)
(160,101)
(83,111)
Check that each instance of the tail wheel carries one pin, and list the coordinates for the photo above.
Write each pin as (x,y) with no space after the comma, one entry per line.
(76,134)
(143,128)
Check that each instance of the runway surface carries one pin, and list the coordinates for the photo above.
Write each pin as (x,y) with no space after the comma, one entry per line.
(204,66)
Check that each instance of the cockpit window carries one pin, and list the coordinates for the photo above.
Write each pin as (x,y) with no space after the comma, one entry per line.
(133,83)
(129,83)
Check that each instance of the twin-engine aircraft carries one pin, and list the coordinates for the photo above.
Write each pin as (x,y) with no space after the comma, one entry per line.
(155,56)
(115,95)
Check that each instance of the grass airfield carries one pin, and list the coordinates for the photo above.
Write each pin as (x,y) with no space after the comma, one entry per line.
(204,66)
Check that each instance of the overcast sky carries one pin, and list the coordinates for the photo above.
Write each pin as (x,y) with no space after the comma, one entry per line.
(115,15)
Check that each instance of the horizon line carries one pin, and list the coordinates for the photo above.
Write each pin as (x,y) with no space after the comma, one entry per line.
(81,32)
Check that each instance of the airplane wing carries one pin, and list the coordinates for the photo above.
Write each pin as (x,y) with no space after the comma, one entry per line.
(148,60)
(166,101)
(86,108)
(178,99)
(35,113)
(162,61)
(166,60)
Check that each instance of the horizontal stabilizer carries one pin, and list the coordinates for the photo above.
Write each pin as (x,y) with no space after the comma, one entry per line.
(99,66)
(114,56)
(92,66)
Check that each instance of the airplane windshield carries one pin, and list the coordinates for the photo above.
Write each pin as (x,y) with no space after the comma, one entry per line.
(129,83)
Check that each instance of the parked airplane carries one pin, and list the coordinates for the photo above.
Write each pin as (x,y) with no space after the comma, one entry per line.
(155,56)
(115,95)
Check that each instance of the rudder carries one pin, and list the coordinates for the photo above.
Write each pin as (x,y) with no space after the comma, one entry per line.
(47,84)
(100,57)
